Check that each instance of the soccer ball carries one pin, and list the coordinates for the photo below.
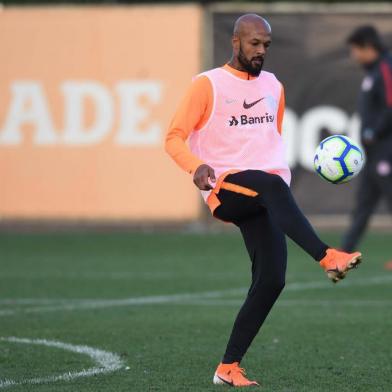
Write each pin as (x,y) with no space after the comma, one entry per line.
(338,159)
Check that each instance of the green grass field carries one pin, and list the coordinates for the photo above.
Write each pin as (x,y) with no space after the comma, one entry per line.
(165,303)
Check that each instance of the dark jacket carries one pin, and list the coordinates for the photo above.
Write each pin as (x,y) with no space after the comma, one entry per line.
(375,103)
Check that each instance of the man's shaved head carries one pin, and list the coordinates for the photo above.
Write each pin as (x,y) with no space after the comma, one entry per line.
(251,38)
(248,21)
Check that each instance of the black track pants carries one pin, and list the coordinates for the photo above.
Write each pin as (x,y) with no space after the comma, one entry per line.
(374,185)
(263,220)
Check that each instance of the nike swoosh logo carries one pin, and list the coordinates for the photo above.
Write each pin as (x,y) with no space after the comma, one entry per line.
(226,382)
(249,105)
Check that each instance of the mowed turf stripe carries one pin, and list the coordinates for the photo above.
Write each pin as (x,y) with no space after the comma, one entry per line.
(61,305)
(106,362)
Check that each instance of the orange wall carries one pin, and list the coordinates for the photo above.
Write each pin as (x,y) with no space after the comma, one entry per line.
(86,95)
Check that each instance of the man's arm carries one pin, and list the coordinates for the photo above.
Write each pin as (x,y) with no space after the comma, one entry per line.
(192,115)
(384,124)
(281,108)
(383,84)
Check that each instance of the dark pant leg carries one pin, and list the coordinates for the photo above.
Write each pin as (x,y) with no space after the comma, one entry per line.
(368,195)
(383,178)
(276,197)
(382,169)
(387,192)
(263,220)
(266,246)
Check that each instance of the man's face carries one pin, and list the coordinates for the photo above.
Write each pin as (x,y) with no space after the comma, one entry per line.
(251,49)
(363,55)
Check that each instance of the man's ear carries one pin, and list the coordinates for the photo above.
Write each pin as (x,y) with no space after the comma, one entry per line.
(235,42)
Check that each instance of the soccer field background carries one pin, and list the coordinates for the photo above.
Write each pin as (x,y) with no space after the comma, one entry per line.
(160,308)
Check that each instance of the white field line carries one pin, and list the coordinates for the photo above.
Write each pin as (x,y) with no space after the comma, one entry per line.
(296,286)
(133,301)
(299,302)
(106,362)
(62,304)
(7,312)
(126,301)
(370,281)
(32,301)
(96,275)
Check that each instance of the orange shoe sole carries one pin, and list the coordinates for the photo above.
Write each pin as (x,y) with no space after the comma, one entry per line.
(220,381)
(336,275)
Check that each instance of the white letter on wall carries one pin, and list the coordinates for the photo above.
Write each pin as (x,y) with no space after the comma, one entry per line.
(75,93)
(28,106)
(132,113)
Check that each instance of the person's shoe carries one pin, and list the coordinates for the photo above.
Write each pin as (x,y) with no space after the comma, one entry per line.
(336,263)
(232,374)
(388,265)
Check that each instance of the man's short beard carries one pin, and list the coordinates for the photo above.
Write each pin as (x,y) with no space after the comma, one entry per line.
(247,64)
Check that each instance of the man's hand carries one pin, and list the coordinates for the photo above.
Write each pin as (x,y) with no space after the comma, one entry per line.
(368,136)
(201,176)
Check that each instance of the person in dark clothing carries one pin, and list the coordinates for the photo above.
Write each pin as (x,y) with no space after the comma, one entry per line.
(375,110)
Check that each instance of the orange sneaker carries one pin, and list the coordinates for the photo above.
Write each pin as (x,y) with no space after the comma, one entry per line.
(388,265)
(232,374)
(336,263)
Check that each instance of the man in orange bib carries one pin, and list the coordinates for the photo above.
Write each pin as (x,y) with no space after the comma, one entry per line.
(232,116)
